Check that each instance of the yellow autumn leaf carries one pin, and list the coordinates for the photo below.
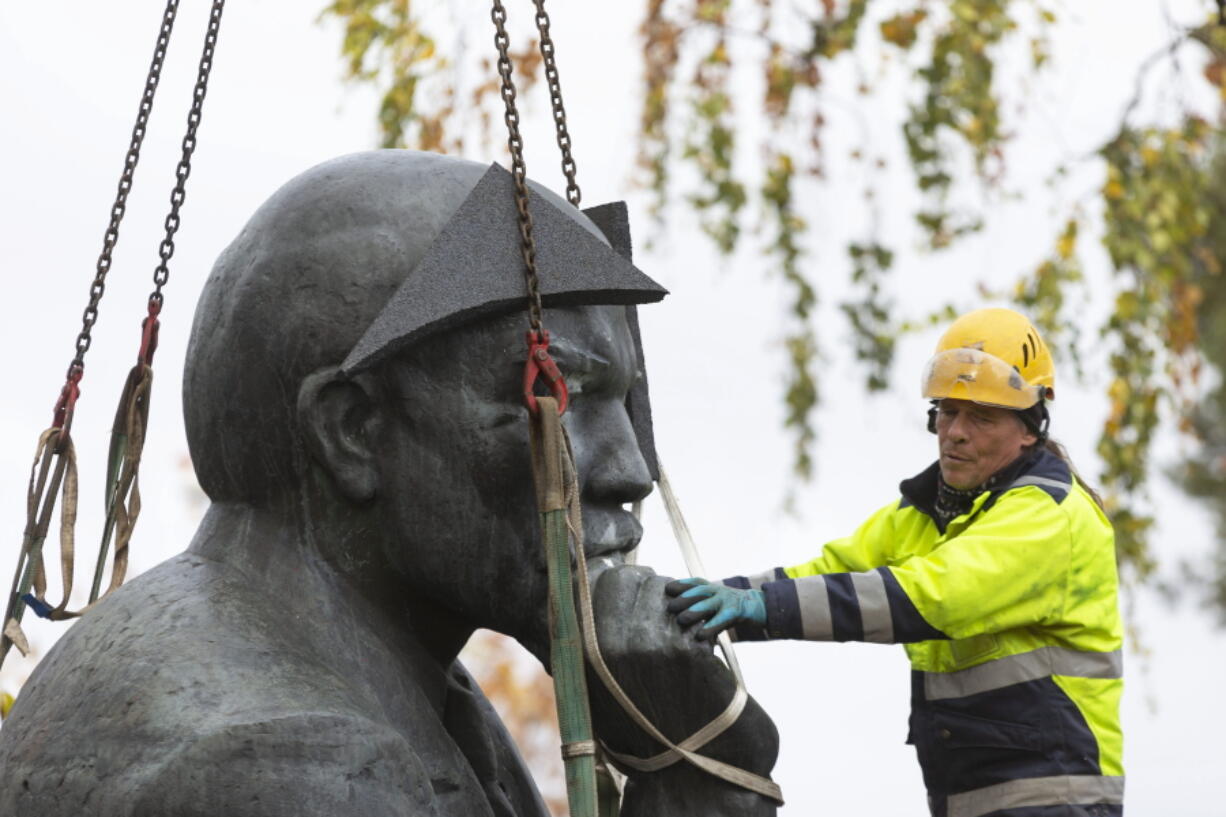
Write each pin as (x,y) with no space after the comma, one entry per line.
(1066,244)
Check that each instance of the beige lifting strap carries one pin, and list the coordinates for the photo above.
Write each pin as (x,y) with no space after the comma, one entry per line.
(687,749)
(125,504)
(693,562)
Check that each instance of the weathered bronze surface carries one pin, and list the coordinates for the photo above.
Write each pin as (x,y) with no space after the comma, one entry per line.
(299,658)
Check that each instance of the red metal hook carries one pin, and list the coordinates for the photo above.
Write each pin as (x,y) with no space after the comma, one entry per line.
(68,397)
(149,333)
(540,364)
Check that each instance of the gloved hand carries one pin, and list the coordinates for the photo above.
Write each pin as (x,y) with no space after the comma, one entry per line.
(718,604)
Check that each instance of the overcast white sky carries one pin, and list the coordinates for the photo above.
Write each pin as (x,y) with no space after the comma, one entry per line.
(69,83)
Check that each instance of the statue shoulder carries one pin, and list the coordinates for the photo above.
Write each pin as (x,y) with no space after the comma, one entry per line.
(176,695)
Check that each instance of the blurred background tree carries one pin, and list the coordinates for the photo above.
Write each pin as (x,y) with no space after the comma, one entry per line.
(735,105)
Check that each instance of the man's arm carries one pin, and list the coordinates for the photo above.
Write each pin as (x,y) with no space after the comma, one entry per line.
(1008,569)
(871,545)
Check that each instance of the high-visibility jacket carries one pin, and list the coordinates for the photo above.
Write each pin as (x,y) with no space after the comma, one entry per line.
(1011,622)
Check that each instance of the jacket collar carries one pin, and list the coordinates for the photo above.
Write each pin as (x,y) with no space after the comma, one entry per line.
(920,490)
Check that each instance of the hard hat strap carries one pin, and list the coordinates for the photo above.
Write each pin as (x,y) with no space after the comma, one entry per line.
(1037,419)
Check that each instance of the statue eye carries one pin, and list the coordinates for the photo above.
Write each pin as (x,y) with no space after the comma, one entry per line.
(505,418)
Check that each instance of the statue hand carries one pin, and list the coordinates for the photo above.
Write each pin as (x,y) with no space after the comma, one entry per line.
(719,605)
(679,684)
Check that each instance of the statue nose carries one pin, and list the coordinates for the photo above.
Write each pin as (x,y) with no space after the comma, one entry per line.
(620,478)
(611,466)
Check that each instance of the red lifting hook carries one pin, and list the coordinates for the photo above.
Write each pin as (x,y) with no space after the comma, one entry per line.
(149,334)
(540,364)
(67,401)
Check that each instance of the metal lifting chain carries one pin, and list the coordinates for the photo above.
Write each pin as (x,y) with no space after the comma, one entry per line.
(96,290)
(167,248)
(519,171)
(515,141)
(555,101)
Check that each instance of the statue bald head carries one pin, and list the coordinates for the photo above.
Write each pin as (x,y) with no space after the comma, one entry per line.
(293,293)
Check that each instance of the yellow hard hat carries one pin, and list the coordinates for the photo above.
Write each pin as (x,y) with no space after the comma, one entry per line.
(991,356)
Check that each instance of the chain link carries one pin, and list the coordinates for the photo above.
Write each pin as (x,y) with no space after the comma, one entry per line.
(519,171)
(98,287)
(555,100)
(179,194)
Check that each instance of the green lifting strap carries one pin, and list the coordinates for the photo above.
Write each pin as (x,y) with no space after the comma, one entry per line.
(566,640)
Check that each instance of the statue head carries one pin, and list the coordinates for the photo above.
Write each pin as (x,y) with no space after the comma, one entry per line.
(355,367)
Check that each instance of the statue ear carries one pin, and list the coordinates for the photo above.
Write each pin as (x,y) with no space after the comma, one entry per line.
(338,420)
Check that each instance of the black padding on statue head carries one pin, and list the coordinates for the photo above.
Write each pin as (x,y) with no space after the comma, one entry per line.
(614,221)
(474,270)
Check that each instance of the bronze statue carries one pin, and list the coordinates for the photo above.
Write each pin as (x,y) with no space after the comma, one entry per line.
(353,411)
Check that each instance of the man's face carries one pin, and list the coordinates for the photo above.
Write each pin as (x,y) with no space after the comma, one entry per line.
(455,457)
(976,441)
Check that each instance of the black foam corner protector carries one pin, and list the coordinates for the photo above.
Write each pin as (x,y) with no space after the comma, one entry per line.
(474,269)
(613,219)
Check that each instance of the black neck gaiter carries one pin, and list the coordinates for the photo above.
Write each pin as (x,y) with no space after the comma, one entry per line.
(953,502)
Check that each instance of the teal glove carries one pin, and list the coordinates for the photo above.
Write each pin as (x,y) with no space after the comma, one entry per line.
(719,605)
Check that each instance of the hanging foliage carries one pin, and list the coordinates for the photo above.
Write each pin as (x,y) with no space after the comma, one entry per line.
(1156,225)
(1203,473)
(744,167)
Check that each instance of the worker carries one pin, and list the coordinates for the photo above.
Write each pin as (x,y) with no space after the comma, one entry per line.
(996,569)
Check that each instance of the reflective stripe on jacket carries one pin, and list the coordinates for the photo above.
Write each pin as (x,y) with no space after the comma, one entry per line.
(1011,622)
